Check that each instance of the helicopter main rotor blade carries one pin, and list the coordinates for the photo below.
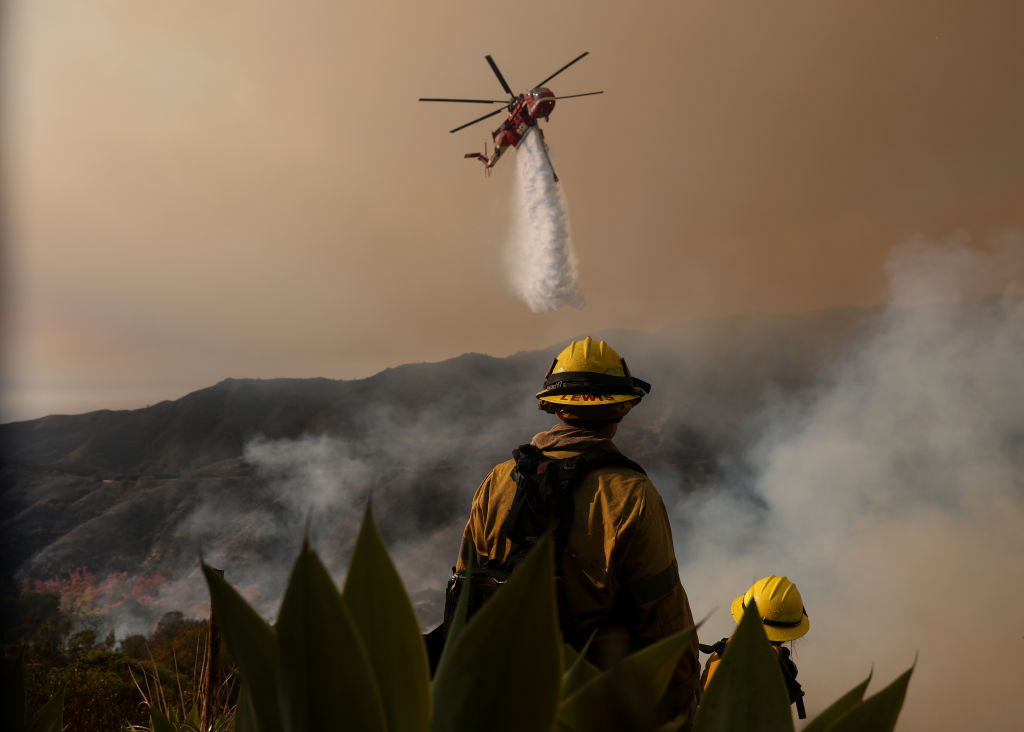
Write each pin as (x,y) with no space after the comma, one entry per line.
(586,94)
(494,68)
(562,69)
(468,101)
(478,119)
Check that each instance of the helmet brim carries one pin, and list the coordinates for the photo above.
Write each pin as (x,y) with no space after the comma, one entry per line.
(774,632)
(585,400)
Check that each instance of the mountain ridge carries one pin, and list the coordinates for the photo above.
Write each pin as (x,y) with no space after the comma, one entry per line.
(96,490)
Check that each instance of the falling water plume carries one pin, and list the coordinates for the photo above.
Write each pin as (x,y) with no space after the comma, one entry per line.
(542,263)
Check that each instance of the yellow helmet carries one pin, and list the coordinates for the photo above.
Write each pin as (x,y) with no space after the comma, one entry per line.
(589,377)
(780,605)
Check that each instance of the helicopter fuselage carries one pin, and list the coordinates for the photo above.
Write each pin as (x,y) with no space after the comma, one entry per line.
(523,114)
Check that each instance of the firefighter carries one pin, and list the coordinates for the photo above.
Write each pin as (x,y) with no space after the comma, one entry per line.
(785,619)
(616,573)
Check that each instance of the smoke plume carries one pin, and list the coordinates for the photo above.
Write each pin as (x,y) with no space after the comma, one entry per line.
(894,498)
(541,261)
(419,473)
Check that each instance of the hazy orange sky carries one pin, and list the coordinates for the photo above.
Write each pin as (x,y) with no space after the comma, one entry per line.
(199,190)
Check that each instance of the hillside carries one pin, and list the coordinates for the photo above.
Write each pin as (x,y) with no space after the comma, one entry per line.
(237,468)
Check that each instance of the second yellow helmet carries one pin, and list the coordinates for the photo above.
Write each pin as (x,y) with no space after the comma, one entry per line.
(780,606)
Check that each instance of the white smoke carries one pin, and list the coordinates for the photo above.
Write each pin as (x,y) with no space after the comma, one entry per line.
(895,500)
(418,471)
(541,262)
(313,473)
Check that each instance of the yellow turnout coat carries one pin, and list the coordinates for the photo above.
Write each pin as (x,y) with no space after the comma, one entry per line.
(619,573)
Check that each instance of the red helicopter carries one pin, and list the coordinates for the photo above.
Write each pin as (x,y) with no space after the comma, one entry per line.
(524,111)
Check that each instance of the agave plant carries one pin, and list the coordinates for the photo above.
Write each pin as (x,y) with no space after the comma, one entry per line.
(355,660)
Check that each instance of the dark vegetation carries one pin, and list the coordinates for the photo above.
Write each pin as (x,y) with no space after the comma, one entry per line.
(108,683)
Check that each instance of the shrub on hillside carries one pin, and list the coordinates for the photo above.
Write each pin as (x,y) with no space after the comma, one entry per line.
(102,684)
(99,693)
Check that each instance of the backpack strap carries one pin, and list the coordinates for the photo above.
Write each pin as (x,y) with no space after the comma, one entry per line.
(570,473)
(530,514)
(789,672)
(718,647)
(596,458)
(544,494)
(546,488)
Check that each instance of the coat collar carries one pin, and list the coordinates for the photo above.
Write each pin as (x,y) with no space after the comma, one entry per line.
(575,439)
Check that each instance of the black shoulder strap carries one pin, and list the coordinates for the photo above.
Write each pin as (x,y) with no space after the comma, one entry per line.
(718,647)
(544,502)
(583,464)
(568,474)
(531,512)
(544,495)
(789,672)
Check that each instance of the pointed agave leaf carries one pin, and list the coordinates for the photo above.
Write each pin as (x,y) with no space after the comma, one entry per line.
(877,713)
(502,672)
(158,722)
(628,692)
(747,691)
(673,726)
(569,656)
(388,627)
(50,717)
(327,682)
(839,707)
(253,645)
(579,669)
(245,718)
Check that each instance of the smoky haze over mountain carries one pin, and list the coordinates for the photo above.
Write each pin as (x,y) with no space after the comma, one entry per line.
(238,468)
(893,494)
(875,456)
